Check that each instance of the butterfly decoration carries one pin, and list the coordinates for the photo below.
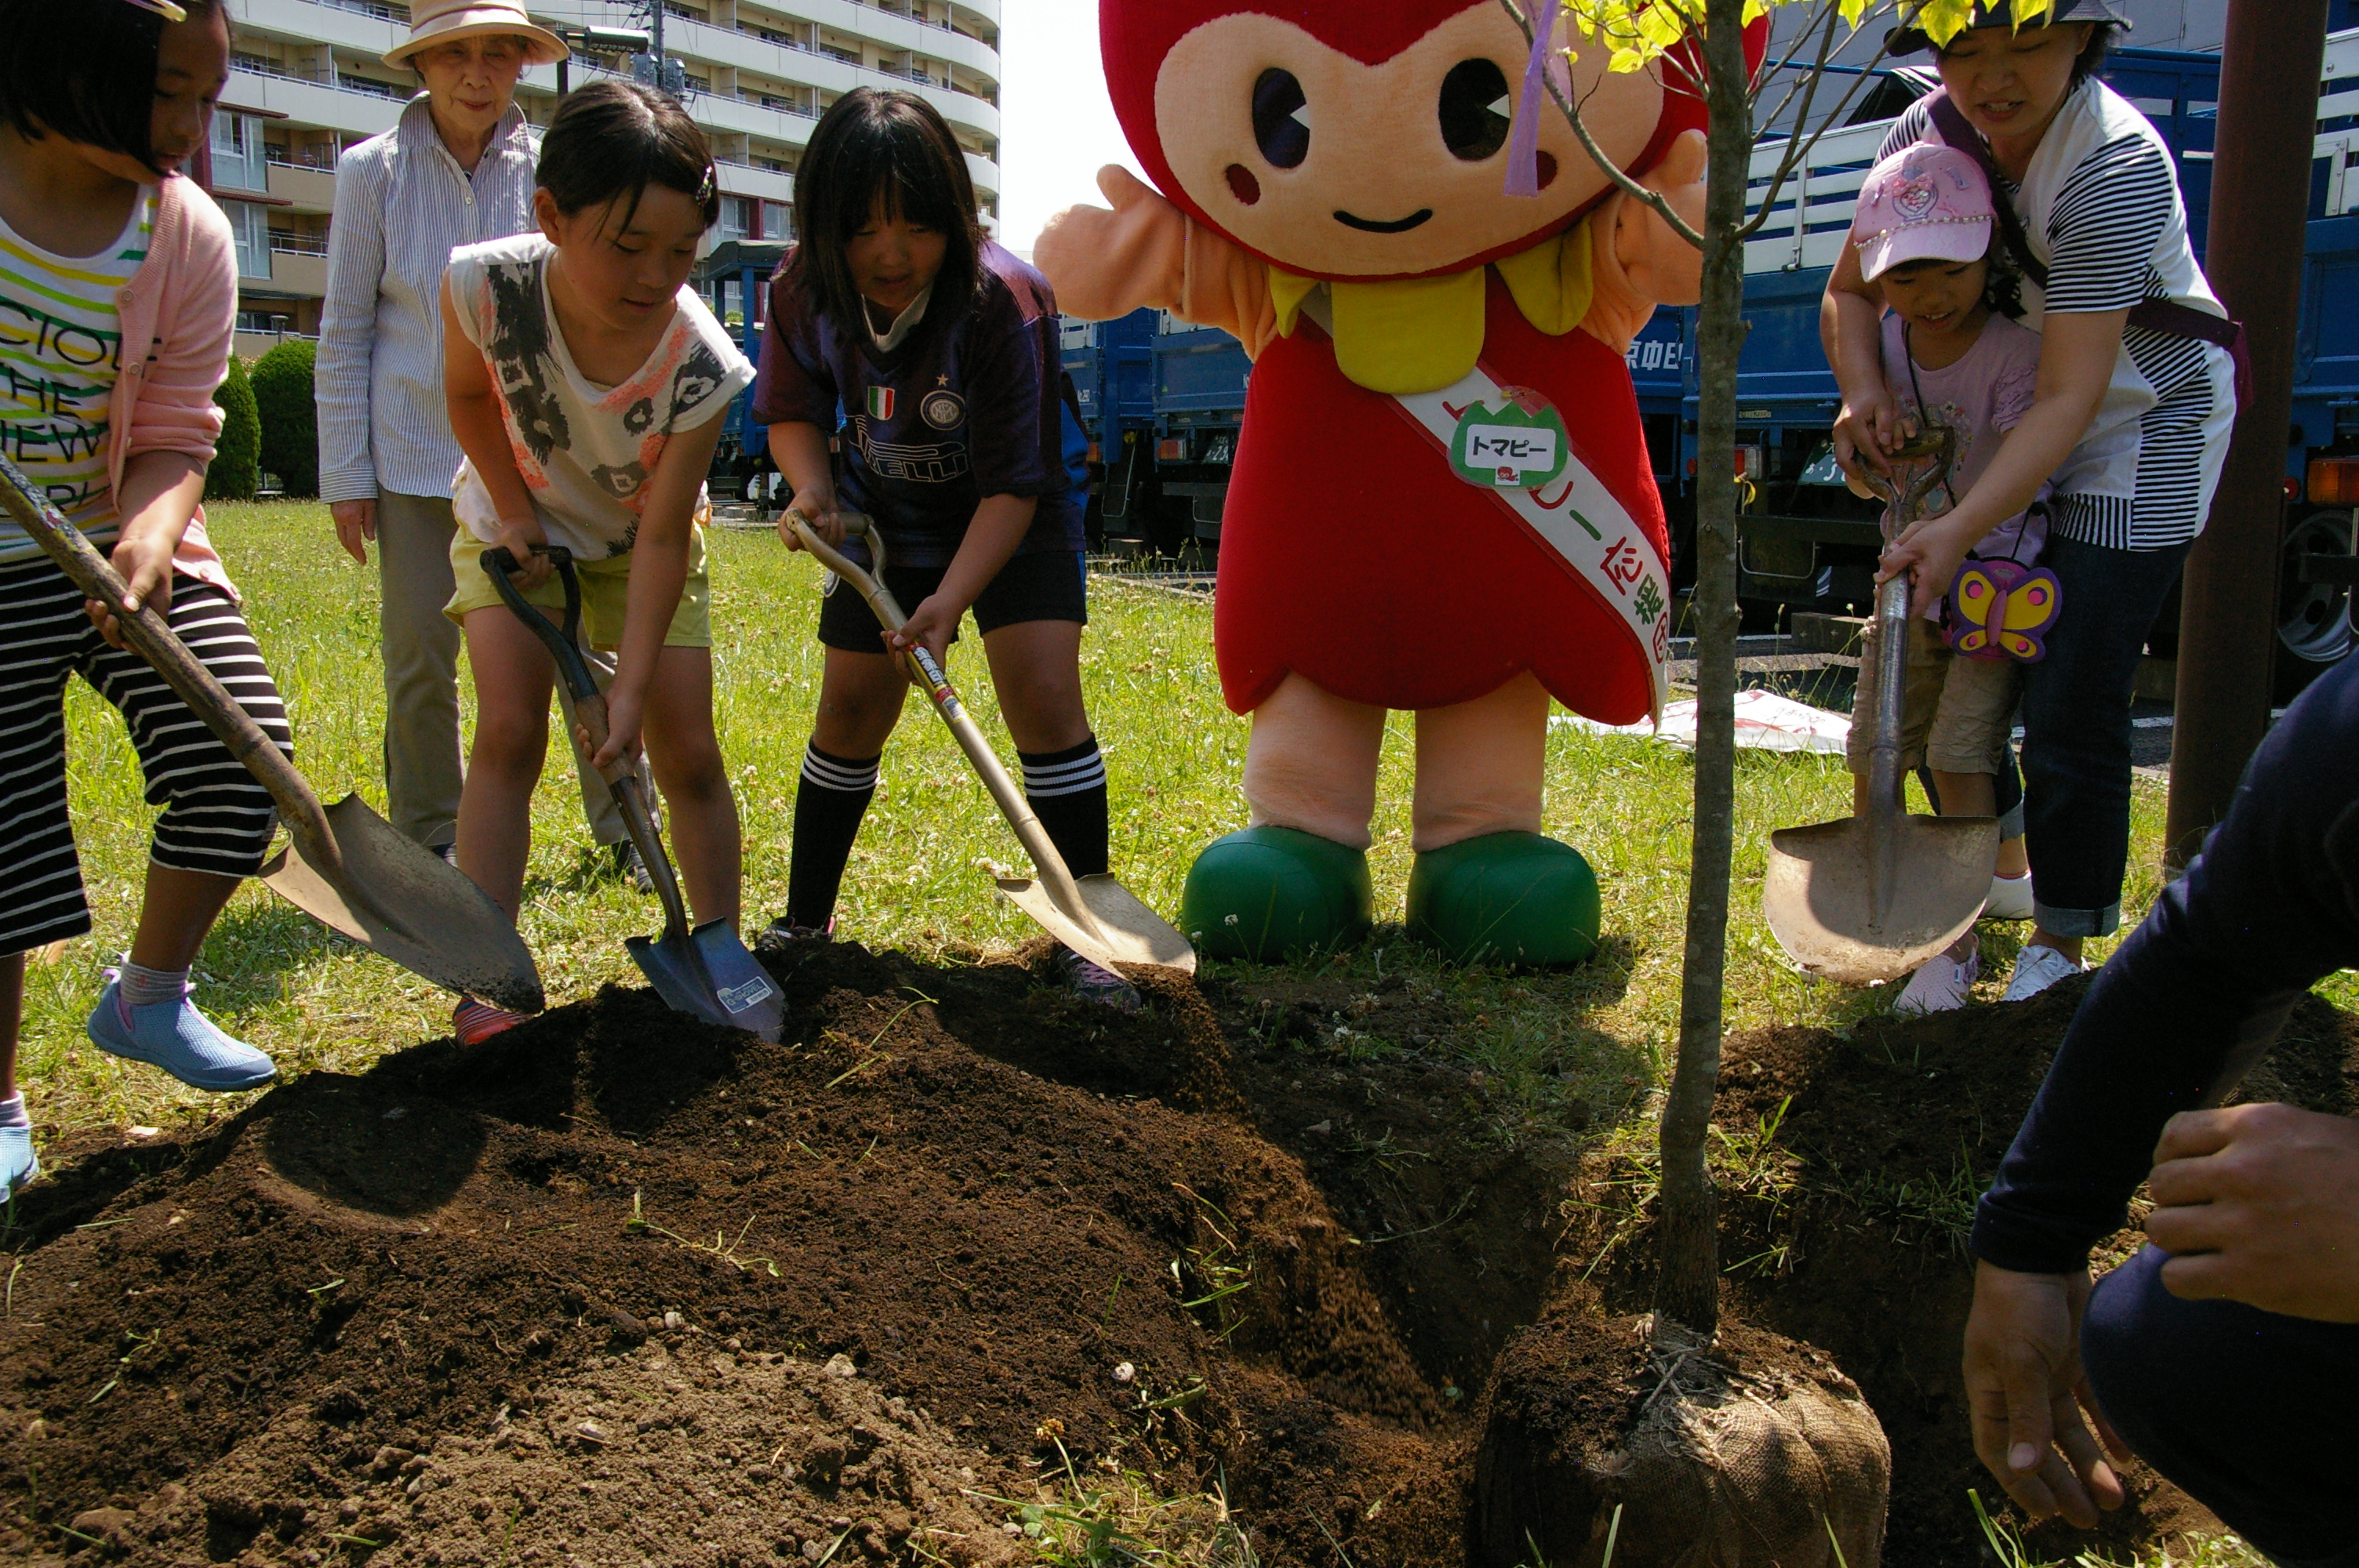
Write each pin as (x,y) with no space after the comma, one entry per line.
(1998,609)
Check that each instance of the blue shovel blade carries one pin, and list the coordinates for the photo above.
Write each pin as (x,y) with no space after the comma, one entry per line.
(709,974)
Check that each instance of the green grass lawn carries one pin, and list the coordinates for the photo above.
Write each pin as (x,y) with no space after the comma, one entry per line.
(917,879)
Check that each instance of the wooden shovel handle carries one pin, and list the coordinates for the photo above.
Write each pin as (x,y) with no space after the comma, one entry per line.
(1054,873)
(151,637)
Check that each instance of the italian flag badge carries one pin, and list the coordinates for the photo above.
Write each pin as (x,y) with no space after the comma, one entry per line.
(880,403)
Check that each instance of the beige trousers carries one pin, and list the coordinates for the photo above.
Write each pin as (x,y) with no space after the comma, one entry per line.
(423,767)
(1311,764)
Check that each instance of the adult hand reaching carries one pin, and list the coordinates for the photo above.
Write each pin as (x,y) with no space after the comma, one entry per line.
(356,525)
(2025,1395)
(2259,1204)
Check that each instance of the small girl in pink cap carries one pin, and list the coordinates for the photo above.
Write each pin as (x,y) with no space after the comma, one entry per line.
(1953,355)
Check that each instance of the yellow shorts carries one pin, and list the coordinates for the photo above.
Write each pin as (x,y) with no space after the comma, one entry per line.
(605,585)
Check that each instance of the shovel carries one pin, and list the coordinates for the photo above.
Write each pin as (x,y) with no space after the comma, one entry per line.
(343,865)
(1096,916)
(1868,899)
(705,971)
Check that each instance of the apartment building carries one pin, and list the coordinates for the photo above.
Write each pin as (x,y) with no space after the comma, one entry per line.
(307,82)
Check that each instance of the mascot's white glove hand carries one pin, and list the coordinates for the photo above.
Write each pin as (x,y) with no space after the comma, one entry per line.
(1104,265)
(1659,263)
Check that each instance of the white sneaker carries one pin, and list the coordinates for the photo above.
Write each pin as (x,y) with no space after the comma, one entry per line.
(2010,898)
(1942,985)
(2037,967)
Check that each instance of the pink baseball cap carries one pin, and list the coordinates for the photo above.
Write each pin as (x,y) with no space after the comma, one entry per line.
(1926,202)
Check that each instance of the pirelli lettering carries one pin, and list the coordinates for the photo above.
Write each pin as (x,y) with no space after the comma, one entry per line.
(918,464)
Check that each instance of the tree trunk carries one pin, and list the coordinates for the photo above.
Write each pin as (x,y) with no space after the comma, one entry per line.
(1687,1286)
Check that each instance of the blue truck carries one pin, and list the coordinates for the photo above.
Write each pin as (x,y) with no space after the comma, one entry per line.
(1805,542)
(734,281)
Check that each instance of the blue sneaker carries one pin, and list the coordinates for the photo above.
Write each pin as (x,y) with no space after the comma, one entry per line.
(17,1164)
(178,1038)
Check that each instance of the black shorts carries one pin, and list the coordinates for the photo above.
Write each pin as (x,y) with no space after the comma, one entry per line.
(1044,587)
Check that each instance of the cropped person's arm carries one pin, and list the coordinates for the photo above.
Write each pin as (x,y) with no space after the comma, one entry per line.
(2077,356)
(474,407)
(2171,1023)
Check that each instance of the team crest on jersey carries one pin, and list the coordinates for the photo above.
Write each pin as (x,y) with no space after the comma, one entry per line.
(880,403)
(943,409)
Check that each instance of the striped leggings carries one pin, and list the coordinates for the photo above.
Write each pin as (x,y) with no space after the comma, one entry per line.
(216,818)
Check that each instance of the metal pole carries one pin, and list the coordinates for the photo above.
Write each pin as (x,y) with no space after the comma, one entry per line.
(2260,194)
(655,37)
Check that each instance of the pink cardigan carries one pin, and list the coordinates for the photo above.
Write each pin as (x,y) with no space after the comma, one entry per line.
(182,304)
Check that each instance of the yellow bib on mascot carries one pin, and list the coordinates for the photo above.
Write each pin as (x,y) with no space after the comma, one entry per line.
(1442,499)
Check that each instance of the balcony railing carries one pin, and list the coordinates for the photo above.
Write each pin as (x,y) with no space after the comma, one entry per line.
(296,245)
(255,65)
(841,58)
(315,157)
(381,11)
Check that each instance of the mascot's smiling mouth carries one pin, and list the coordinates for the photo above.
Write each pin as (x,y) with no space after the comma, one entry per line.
(1397,226)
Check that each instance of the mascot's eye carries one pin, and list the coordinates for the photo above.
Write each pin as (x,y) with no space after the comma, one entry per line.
(1474,107)
(1281,119)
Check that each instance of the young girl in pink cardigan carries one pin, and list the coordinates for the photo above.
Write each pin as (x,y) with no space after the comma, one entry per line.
(118,291)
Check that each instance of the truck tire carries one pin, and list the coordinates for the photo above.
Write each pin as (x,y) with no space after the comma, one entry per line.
(2314,630)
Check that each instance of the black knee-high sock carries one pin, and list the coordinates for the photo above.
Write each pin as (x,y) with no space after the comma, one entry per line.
(1066,790)
(829,804)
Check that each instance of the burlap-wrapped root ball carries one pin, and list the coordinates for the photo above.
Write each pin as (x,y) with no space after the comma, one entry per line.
(1750,1451)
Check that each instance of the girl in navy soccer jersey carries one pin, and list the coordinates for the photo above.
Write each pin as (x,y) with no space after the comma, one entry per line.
(937,350)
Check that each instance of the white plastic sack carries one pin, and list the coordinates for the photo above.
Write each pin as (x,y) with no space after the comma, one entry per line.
(1765,721)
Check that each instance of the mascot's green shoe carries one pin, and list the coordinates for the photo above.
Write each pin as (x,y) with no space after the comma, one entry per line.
(1268,891)
(1512,898)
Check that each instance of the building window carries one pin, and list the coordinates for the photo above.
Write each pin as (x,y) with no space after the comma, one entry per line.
(777,221)
(240,161)
(739,216)
(251,228)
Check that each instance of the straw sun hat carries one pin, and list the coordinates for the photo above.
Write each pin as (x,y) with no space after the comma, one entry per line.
(433,22)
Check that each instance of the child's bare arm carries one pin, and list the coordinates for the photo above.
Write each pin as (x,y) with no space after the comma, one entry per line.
(159,495)
(659,571)
(800,449)
(474,407)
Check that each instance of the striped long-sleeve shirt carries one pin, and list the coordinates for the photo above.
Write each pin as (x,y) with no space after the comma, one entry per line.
(403,204)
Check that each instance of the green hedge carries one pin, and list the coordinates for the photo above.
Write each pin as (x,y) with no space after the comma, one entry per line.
(236,469)
(290,421)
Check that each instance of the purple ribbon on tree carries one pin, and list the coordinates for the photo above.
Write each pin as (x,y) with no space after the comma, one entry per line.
(1523,150)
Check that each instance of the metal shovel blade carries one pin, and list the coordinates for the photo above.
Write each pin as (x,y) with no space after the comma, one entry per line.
(403,901)
(1835,915)
(708,974)
(1120,929)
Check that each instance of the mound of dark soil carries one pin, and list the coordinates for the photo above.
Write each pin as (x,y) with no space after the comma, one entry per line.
(1846,1221)
(616,1287)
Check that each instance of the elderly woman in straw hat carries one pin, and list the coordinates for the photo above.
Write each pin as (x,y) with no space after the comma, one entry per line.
(458,169)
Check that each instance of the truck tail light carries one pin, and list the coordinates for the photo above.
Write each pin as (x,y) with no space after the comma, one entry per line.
(1170,451)
(1748,462)
(2334,481)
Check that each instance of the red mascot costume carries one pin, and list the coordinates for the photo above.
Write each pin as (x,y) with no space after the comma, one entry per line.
(1442,499)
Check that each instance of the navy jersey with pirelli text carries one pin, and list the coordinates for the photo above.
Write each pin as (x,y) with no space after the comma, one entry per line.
(966,406)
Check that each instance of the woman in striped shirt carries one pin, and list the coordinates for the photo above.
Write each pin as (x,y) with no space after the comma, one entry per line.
(104,246)
(2137,399)
(457,171)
